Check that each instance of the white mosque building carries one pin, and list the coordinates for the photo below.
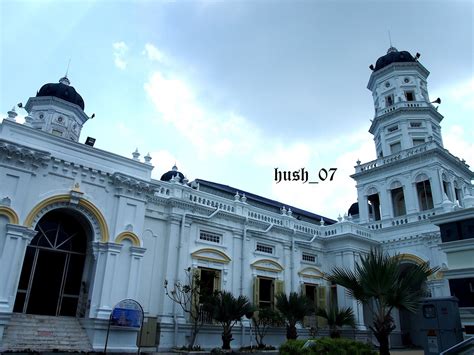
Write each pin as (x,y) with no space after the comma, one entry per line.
(82,229)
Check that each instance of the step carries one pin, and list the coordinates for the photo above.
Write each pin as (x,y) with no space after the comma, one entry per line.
(44,333)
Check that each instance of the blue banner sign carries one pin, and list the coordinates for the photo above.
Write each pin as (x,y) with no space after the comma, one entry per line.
(127,313)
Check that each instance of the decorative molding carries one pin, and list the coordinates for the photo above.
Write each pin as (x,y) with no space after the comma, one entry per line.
(10,214)
(129,183)
(130,236)
(411,258)
(63,201)
(311,272)
(210,254)
(267,265)
(22,154)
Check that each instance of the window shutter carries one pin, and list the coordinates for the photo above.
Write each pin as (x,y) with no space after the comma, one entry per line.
(278,287)
(217,280)
(321,293)
(196,273)
(306,319)
(256,291)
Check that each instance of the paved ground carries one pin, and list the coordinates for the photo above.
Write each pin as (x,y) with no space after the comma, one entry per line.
(407,352)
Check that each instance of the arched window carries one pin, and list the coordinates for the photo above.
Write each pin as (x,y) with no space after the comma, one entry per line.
(398,199)
(425,197)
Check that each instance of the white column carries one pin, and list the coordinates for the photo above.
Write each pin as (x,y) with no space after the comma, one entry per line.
(385,203)
(411,198)
(17,239)
(363,209)
(104,278)
(136,256)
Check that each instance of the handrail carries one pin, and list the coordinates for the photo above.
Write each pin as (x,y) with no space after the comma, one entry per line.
(466,344)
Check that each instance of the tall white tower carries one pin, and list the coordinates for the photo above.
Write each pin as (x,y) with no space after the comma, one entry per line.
(57,109)
(413,176)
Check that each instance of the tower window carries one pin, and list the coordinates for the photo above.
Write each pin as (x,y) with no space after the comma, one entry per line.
(410,95)
(374,201)
(57,132)
(415,124)
(425,197)
(389,100)
(418,141)
(392,129)
(395,147)
(398,202)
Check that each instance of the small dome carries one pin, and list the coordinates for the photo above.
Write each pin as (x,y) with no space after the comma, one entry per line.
(171,174)
(393,56)
(354,209)
(62,90)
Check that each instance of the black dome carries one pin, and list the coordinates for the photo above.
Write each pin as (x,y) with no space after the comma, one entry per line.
(354,209)
(63,91)
(393,56)
(171,174)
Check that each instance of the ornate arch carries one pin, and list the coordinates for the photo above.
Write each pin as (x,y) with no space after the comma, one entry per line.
(421,176)
(210,254)
(395,184)
(371,190)
(130,236)
(87,208)
(267,265)
(411,258)
(311,272)
(10,214)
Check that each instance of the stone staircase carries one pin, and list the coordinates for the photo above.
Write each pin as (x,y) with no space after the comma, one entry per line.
(30,332)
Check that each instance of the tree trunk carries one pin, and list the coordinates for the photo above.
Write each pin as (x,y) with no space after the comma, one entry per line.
(383,344)
(226,339)
(194,333)
(291,332)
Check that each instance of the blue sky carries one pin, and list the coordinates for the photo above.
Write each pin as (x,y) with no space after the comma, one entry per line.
(229,90)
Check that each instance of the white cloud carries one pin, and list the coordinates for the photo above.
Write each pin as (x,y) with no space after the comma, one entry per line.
(163,161)
(456,140)
(120,51)
(153,53)
(463,93)
(210,133)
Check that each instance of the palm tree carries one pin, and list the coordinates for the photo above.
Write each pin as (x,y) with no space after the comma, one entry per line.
(378,282)
(227,310)
(293,308)
(337,318)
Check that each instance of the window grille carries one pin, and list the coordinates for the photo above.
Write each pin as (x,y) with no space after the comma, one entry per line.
(309,257)
(264,248)
(210,237)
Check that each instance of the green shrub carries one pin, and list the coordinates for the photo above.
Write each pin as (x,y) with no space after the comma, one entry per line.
(327,346)
(294,347)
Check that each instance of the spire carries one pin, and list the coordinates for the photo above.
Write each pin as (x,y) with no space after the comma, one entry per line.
(65,80)
(391,48)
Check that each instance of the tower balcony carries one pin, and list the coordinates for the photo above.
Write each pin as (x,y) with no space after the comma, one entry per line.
(407,153)
(402,104)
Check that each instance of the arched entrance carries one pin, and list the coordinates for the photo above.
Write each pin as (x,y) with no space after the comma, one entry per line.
(408,321)
(52,273)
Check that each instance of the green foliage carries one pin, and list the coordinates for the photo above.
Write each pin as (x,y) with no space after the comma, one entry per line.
(294,347)
(378,282)
(227,310)
(262,320)
(337,318)
(184,295)
(293,308)
(327,346)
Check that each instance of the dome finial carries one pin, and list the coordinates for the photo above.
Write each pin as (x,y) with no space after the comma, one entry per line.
(65,80)
(392,48)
